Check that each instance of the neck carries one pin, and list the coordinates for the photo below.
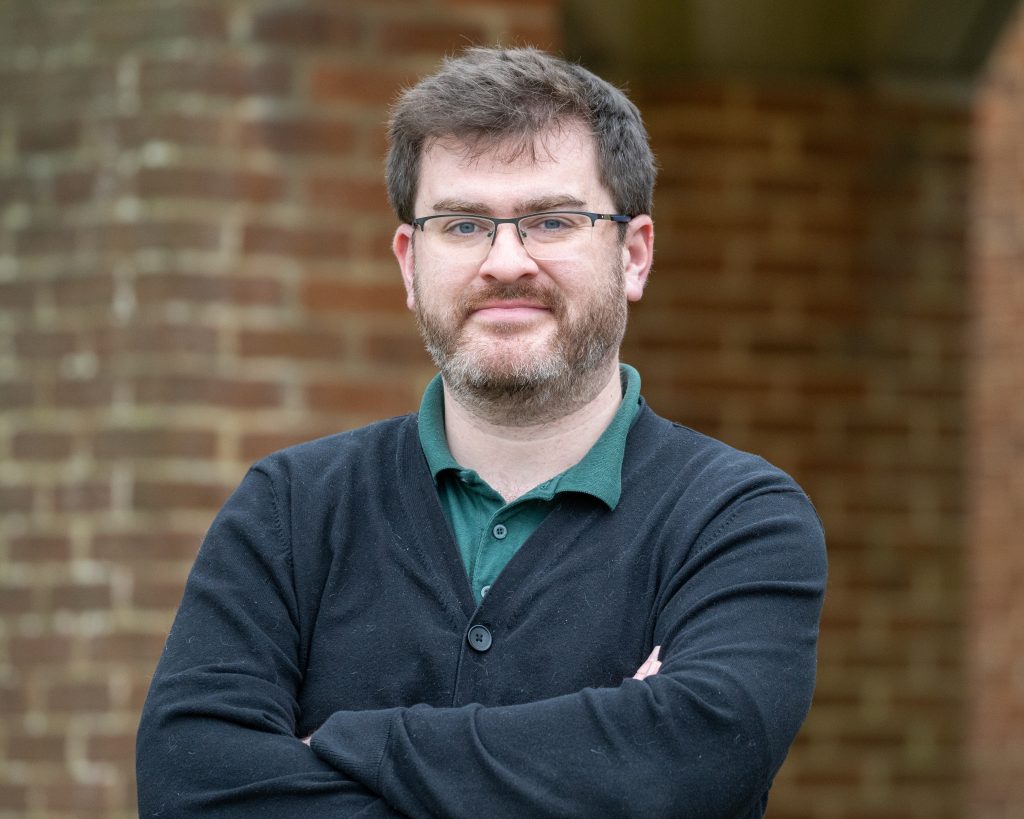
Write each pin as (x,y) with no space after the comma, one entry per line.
(514,458)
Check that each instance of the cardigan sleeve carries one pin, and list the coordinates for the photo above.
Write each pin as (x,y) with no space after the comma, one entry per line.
(738,622)
(217,736)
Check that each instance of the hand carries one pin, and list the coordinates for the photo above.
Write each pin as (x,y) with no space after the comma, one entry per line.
(650,666)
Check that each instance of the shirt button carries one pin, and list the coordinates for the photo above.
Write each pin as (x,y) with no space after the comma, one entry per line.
(479,638)
(499,531)
(484,590)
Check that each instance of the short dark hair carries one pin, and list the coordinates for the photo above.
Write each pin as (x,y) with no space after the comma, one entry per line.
(487,96)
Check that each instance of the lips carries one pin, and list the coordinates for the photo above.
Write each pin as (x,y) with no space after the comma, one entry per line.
(505,306)
(510,299)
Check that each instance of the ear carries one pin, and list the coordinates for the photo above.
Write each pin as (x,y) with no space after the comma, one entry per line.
(637,255)
(401,246)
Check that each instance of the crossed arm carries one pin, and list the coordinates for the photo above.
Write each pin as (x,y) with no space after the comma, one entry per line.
(648,668)
(700,736)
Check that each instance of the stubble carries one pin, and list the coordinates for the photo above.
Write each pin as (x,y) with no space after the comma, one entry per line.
(500,377)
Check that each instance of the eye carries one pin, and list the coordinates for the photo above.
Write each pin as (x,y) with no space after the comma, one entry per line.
(553,225)
(464,227)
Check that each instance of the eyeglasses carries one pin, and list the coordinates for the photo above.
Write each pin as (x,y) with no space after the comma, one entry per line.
(548,236)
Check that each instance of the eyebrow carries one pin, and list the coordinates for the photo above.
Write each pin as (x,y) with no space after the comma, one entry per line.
(537,205)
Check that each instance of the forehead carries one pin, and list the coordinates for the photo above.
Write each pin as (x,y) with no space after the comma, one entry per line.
(502,175)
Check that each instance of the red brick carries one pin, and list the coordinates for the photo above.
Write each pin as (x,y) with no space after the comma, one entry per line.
(73,84)
(89,392)
(371,400)
(12,700)
(155,443)
(430,38)
(83,291)
(157,595)
(47,137)
(203,183)
(39,240)
(75,187)
(138,647)
(16,498)
(256,445)
(111,27)
(16,394)
(41,548)
(292,344)
(14,798)
(361,198)
(332,295)
(299,136)
(146,546)
(370,84)
(224,78)
(44,650)
(181,129)
(164,339)
(80,800)
(35,747)
(241,290)
(217,392)
(41,446)
(541,35)
(37,344)
(81,597)
(170,495)
(16,599)
(296,243)
(17,295)
(78,697)
(400,349)
(111,748)
(307,27)
(181,235)
(83,497)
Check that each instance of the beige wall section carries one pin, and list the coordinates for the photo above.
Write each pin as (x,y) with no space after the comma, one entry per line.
(996,439)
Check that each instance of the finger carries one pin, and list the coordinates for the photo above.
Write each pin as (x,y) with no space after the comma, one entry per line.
(650,665)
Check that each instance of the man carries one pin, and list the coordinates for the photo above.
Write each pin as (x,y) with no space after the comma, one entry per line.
(533,598)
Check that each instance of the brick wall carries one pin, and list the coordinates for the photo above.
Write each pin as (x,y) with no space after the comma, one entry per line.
(996,636)
(194,270)
(807,303)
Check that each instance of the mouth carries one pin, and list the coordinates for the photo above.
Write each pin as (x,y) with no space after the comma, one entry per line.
(509,309)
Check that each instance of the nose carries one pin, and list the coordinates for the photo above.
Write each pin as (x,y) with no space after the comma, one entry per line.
(507,258)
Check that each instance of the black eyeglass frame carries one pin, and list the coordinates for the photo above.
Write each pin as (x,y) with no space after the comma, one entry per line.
(515,220)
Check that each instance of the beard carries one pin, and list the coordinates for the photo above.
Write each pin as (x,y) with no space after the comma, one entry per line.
(508,377)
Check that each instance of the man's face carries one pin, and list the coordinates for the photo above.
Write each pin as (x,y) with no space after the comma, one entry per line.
(512,327)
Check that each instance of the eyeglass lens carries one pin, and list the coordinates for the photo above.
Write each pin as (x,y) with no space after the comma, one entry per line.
(545,236)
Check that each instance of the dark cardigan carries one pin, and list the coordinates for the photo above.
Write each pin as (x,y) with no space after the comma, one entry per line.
(329,596)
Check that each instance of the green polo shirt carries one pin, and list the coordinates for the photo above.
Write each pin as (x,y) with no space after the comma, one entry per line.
(488,530)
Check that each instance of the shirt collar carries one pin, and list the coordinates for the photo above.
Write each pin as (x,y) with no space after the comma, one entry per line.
(598,473)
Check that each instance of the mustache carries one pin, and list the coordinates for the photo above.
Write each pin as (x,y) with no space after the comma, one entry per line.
(511,291)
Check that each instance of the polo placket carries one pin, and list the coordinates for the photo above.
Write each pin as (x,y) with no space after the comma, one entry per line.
(489,531)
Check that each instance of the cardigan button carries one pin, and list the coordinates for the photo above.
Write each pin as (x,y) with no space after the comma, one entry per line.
(479,638)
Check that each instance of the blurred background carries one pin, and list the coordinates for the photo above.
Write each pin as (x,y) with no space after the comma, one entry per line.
(195,271)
